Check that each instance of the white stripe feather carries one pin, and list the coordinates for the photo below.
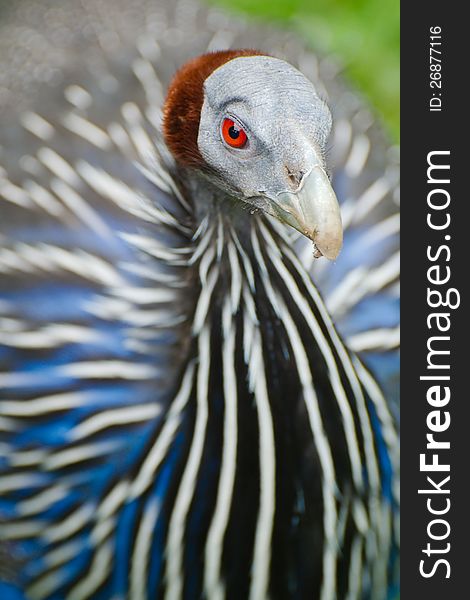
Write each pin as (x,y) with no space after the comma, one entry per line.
(213,583)
(175,540)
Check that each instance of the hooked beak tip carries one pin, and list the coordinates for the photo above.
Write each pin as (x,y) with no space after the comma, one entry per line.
(331,251)
(328,245)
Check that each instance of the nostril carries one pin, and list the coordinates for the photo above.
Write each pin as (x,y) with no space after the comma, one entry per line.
(295,177)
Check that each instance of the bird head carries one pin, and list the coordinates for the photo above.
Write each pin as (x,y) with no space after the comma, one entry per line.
(257,128)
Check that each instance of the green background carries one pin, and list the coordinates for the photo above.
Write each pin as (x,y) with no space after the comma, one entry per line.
(363,34)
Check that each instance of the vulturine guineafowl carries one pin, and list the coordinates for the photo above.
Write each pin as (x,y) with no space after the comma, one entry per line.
(193,404)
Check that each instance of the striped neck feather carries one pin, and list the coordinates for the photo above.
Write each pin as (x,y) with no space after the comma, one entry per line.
(282,385)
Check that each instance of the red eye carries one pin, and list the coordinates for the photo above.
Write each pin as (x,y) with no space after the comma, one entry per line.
(233,135)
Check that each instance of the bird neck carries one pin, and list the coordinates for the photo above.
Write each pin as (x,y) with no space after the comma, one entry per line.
(275,366)
(245,253)
(251,279)
(212,203)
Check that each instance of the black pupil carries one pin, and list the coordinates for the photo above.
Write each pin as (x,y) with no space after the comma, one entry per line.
(233,132)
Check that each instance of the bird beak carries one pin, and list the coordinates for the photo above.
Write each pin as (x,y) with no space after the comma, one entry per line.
(314,211)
